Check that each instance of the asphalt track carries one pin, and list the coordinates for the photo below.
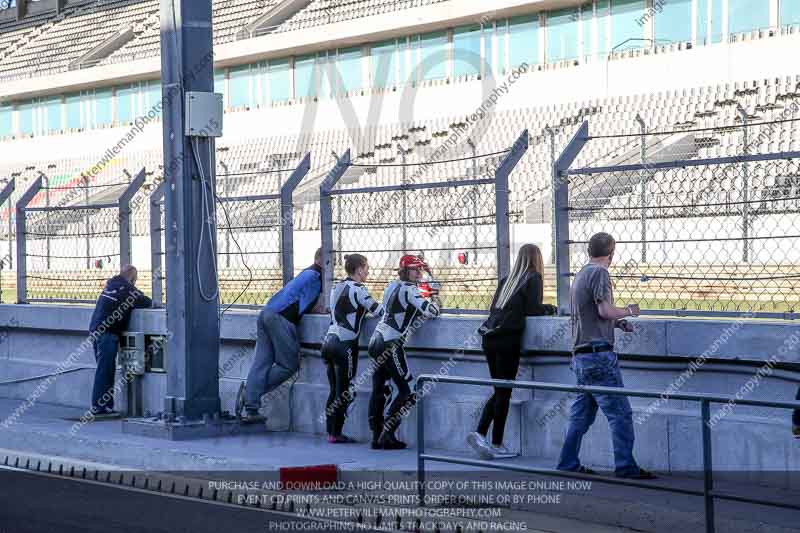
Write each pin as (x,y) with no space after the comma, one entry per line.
(37,503)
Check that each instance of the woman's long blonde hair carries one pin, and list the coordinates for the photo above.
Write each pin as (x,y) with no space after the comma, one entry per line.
(529,260)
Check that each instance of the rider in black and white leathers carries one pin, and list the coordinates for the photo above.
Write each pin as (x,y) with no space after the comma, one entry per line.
(350,302)
(404,307)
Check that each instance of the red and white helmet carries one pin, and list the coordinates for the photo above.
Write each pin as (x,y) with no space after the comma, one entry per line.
(412,261)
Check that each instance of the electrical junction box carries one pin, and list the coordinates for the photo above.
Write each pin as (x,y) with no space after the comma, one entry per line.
(203,114)
(155,359)
(130,355)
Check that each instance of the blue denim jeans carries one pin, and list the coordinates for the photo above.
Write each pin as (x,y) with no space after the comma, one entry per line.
(105,353)
(600,369)
(277,357)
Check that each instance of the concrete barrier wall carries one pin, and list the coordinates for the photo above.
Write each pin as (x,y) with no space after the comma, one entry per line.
(36,339)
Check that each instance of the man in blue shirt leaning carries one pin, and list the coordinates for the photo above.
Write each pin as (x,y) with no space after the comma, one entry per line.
(110,318)
(277,348)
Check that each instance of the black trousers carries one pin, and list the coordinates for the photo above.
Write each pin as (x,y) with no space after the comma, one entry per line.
(389,360)
(502,354)
(341,360)
(796,414)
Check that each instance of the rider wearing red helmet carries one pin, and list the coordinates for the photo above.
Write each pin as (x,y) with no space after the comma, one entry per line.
(402,302)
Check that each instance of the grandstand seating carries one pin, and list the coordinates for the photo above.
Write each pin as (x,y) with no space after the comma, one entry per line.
(63,41)
(320,12)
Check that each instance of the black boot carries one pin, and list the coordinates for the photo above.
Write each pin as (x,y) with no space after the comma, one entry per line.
(387,441)
(376,425)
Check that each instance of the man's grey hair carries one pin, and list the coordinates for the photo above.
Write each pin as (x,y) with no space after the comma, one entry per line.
(128,272)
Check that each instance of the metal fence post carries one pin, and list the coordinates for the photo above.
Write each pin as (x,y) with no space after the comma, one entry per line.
(502,218)
(643,185)
(156,251)
(708,466)
(5,196)
(287,217)
(22,203)
(552,135)
(326,223)
(745,189)
(476,192)
(404,209)
(87,222)
(420,443)
(46,216)
(561,214)
(124,210)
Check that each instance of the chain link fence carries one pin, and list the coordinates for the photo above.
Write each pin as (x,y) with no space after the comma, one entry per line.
(72,242)
(706,220)
(459,226)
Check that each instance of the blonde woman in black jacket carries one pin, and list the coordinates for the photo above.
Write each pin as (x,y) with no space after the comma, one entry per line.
(517,297)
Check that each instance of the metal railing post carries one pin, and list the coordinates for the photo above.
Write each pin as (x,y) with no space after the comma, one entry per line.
(420,442)
(552,135)
(745,188)
(326,223)
(502,217)
(404,208)
(22,263)
(287,217)
(87,222)
(46,216)
(561,214)
(124,213)
(156,251)
(227,193)
(708,467)
(476,191)
(5,196)
(643,185)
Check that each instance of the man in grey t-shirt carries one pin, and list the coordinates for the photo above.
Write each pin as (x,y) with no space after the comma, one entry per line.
(594,317)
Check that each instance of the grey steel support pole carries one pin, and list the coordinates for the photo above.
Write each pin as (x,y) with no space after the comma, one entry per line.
(192,315)
(10,232)
(124,208)
(745,189)
(227,233)
(46,216)
(287,217)
(326,223)
(476,191)
(420,444)
(156,280)
(5,196)
(708,466)
(561,212)
(404,205)
(643,185)
(502,218)
(86,222)
(22,237)
(552,135)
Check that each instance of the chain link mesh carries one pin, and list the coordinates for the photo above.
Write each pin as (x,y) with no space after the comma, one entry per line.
(248,251)
(453,228)
(720,237)
(70,254)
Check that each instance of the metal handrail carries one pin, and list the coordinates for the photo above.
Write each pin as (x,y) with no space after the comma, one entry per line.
(708,493)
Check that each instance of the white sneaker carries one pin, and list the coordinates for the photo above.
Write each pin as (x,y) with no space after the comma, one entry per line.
(478,443)
(501,452)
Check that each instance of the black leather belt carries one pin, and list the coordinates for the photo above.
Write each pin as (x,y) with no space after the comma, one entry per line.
(594,348)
